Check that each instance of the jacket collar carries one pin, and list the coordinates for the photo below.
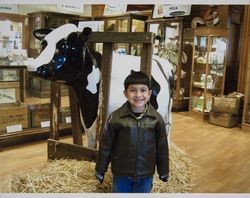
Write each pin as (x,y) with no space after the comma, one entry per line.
(126,110)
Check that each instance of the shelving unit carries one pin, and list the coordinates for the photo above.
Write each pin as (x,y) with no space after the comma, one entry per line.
(208,69)
(34,116)
(173,45)
(15,102)
(12,54)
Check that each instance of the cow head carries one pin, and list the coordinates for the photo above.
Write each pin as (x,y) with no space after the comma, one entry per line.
(68,55)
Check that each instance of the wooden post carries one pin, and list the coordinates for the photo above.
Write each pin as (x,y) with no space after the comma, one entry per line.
(146,58)
(106,75)
(75,115)
(55,102)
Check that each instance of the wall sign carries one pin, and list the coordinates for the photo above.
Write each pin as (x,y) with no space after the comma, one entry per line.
(165,10)
(115,9)
(71,6)
(8,8)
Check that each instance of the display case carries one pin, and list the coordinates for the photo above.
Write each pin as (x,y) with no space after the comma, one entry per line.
(125,23)
(36,20)
(22,122)
(19,109)
(12,39)
(173,43)
(12,57)
(208,69)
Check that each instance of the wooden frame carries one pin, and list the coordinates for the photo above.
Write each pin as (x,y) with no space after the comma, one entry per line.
(57,149)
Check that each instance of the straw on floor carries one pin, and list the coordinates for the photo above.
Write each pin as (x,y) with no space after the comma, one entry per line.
(67,176)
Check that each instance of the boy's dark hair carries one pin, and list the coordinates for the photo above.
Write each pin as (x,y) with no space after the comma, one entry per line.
(137,78)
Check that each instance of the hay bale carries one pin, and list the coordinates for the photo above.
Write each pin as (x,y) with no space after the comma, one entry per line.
(180,174)
(68,176)
(63,175)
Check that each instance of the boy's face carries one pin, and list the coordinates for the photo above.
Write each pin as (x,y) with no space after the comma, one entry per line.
(137,95)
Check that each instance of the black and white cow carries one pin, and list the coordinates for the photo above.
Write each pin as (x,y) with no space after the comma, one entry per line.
(65,56)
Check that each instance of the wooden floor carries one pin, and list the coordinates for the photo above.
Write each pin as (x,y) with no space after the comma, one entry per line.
(220,156)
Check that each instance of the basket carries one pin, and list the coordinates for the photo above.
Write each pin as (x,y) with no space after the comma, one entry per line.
(226,105)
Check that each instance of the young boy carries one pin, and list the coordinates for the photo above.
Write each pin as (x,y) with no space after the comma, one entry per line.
(134,139)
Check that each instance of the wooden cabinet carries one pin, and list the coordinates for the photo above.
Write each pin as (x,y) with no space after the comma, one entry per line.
(246,109)
(12,39)
(24,118)
(18,108)
(208,69)
(125,23)
(30,120)
(173,43)
(12,57)
(244,73)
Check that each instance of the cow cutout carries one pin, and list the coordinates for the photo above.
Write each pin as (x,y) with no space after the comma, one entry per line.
(66,57)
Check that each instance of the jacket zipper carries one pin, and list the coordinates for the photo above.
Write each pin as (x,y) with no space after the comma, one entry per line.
(136,154)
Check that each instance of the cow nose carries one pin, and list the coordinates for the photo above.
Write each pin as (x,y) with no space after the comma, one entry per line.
(43,72)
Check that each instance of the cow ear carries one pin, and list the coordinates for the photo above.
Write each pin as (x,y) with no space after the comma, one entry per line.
(132,71)
(41,33)
(86,32)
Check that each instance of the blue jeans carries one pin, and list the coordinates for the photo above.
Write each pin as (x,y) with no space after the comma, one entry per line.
(124,184)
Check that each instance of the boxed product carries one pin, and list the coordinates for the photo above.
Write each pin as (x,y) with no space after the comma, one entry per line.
(65,116)
(226,105)
(9,92)
(9,75)
(39,115)
(13,117)
(223,119)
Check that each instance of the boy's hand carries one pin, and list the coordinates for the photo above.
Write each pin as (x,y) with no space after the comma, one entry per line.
(99,177)
(163,178)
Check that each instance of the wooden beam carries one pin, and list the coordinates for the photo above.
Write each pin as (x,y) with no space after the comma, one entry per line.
(61,150)
(122,37)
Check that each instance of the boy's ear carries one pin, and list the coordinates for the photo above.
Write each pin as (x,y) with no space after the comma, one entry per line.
(150,92)
(125,93)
